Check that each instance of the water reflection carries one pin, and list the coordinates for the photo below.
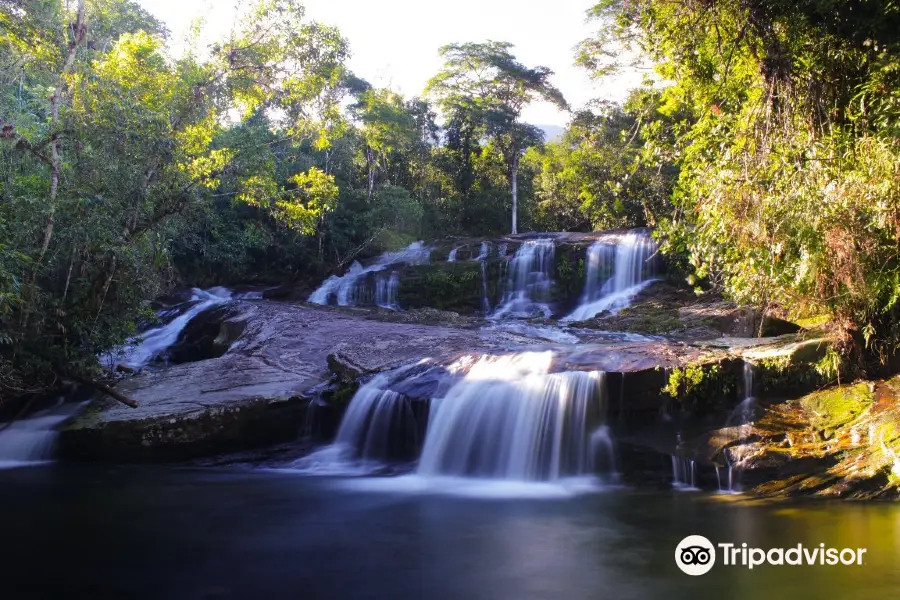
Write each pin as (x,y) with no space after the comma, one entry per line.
(166,533)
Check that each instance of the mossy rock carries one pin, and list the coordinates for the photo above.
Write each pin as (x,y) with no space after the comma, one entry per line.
(568,277)
(830,409)
(455,286)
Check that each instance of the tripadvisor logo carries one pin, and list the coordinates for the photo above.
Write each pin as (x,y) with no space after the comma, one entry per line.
(696,555)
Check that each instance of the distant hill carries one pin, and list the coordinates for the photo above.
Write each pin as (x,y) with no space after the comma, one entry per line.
(551,132)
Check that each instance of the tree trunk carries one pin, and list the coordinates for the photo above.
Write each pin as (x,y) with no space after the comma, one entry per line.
(514,176)
(79,30)
(370,166)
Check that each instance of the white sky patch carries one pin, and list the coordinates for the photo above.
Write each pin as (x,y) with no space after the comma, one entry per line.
(395,42)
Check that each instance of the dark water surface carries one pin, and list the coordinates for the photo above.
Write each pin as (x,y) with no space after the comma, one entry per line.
(169,533)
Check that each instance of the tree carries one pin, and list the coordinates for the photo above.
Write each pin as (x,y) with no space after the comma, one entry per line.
(789,187)
(387,126)
(609,169)
(106,145)
(482,84)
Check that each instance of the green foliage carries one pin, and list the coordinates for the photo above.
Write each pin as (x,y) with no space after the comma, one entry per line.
(482,90)
(784,122)
(600,174)
(699,386)
(125,171)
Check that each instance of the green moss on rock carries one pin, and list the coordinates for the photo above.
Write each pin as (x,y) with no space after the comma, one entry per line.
(833,408)
(446,286)
(701,387)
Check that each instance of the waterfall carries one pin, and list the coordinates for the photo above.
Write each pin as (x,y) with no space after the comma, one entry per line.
(740,418)
(347,289)
(485,301)
(386,290)
(632,271)
(528,288)
(31,441)
(157,339)
(482,257)
(380,427)
(748,380)
(502,250)
(452,256)
(684,473)
(504,418)
(510,418)
(600,265)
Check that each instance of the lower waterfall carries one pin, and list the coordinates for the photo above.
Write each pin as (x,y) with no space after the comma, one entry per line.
(507,418)
(32,440)
(510,418)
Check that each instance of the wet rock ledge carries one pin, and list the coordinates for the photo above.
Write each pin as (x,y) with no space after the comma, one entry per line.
(284,358)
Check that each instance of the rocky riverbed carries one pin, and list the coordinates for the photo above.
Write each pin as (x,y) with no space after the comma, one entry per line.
(279,358)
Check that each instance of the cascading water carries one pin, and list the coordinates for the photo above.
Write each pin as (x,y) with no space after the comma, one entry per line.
(684,473)
(741,418)
(386,290)
(347,289)
(507,418)
(510,418)
(632,271)
(482,258)
(381,427)
(157,339)
(485,301)
(452,256)
(31,441)
(527,291)
(600,264)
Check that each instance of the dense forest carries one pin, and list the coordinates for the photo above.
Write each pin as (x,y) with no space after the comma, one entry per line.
(763,150)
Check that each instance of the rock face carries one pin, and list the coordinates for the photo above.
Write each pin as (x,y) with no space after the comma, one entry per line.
(286,356)
(842,442)
(254,393)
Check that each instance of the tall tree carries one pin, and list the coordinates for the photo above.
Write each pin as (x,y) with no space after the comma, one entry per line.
(485,82)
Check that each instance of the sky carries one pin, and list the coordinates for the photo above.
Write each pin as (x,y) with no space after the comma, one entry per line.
(394,43)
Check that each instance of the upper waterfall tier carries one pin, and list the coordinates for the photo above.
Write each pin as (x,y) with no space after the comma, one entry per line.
(512,277)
